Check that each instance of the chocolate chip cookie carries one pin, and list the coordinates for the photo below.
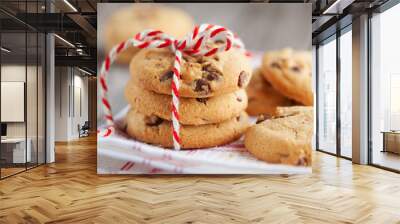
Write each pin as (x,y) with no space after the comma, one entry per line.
(263,98)
(201,76)
(127,22)
(284,140)
(157,131)
(289,72)
(192,111)
(287,111)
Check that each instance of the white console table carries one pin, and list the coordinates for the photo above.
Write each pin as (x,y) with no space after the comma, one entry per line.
(18,150)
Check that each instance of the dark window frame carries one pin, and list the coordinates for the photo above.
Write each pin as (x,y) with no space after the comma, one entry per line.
(29,29)
(334,37)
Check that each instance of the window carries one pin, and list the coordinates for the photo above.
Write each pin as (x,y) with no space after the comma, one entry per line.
(327,96)
(346,93)
(22,75)
(385,89)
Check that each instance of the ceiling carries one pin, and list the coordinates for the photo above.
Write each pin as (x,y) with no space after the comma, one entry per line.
(74,21)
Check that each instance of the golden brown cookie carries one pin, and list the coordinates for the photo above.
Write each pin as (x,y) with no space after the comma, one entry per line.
(201,77)
(128,21)
(156,131)
(192,111)
(286,111)
(289,72)
(284,140)
(263,98)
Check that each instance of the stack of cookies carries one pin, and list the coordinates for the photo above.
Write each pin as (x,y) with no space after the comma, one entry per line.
(284,79)
(212,98)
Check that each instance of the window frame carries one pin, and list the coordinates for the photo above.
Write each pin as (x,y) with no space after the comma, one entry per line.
(29,29)
(379,10)
(334,37)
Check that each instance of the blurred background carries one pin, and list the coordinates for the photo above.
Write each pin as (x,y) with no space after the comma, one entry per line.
(261,26)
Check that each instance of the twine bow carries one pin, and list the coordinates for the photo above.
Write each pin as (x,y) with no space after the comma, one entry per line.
(194,44)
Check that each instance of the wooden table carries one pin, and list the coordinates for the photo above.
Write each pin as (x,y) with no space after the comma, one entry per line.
(391,141)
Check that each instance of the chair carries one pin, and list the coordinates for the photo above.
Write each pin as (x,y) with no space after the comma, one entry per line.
(84,130)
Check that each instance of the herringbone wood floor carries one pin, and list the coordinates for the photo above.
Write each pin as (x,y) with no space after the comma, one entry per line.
(69,191)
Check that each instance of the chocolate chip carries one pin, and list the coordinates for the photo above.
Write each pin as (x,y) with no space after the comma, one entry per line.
(153,120)
(210,72)
(202,100)
(238,118)
(212,76)
(242,78)
(275,65)
(166,76)
(219,41)
(239,99)
(296,69)
(202,85)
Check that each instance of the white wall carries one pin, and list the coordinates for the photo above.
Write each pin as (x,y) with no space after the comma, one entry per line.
(70,83)
(14,73)
(17,73)
(61,103)
(33,126)
(79,117)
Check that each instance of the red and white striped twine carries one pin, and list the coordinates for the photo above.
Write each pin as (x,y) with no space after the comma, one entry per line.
(194,44)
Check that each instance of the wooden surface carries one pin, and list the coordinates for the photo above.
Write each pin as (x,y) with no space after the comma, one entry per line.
(10,171)
(70,191)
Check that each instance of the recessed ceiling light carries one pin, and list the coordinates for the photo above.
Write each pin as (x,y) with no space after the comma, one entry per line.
(70,5)
(337,7)
(65,41)
(84,71)
(5,50)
